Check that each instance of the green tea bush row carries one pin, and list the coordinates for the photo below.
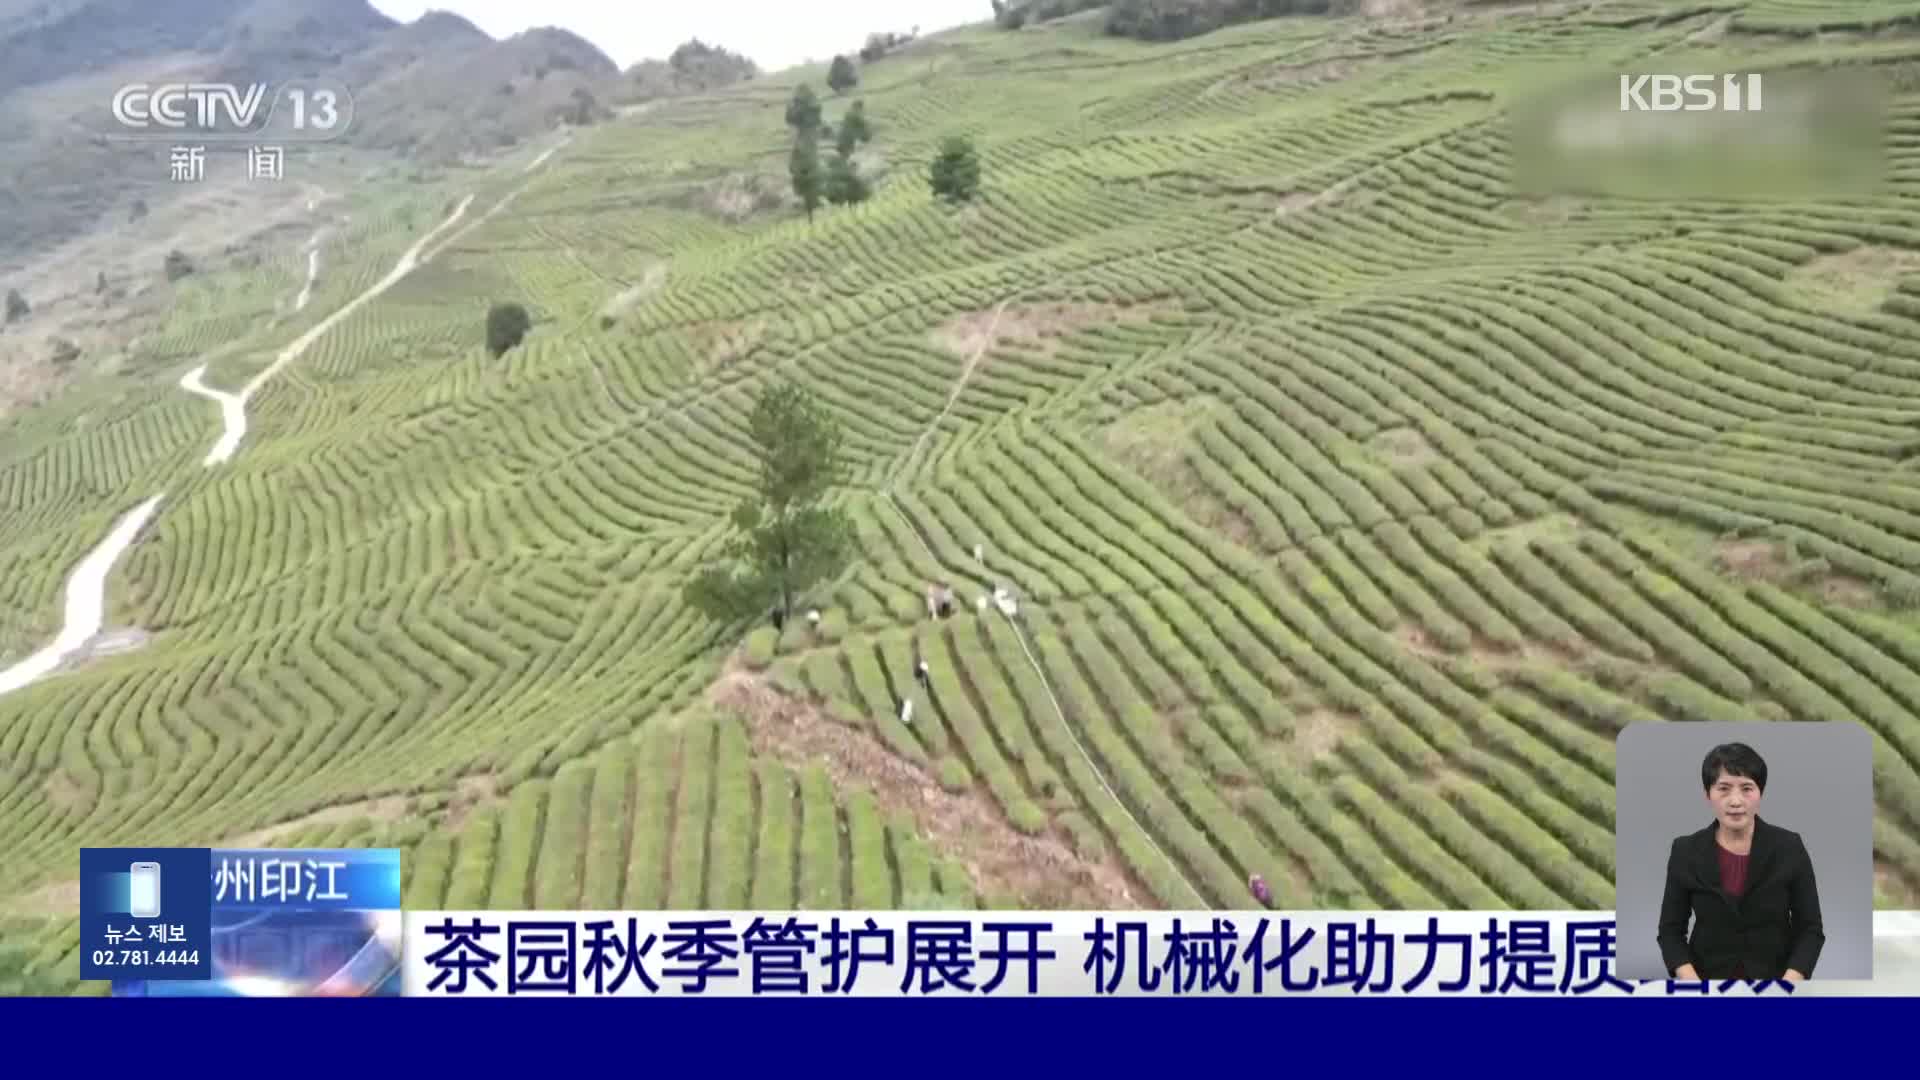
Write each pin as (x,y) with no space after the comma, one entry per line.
(946,669)
(1327,557)
(1437,622)
(1459,597)
(610,817)
(730,835)
(1667,637)
(1091,700)
(819,843)
(473,868)
(654,782)
(872,874)
(774,855)
(520,833)
(563,842)
(1524,563)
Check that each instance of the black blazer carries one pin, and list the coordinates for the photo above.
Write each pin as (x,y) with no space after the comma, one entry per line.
(1773,926)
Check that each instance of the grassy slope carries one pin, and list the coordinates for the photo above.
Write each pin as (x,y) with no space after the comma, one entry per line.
(1415,505)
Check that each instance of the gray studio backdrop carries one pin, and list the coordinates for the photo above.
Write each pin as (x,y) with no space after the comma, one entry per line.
(1819,784)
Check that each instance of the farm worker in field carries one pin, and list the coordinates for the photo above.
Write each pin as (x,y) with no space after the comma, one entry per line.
(906,711)
(947,602)
(980,553)
(920,675)
(1260,891)
(813,619)
(1003,599)
(933,600)
(779,620)
(980,603)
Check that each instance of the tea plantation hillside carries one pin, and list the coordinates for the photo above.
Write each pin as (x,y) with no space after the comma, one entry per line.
(1352,503)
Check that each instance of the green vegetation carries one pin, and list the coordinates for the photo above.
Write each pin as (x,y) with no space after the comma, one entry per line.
(788,537)
(177,265)
(879,44)
(803,170)
(507,326)
(855,130)
(694,67)
(1427,491)
(842,76)
(844,186)
(955,174)
(1173,20)
(803,111)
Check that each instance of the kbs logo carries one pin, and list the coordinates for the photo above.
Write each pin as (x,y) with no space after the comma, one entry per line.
(1689,93)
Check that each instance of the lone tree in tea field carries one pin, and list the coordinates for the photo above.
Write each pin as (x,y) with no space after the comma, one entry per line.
(803,111)
(955,174)
(844,186)
(855,130)
(841,76)
(803,168)
(786,541)
(17,306)
(507,326)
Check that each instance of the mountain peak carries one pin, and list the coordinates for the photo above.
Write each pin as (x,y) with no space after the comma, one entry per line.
(447,25)
(554,47)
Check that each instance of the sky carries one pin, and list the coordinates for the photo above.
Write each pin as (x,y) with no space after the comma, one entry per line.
(774,33)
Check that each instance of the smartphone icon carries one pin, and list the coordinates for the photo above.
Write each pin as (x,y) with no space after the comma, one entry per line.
(145,891)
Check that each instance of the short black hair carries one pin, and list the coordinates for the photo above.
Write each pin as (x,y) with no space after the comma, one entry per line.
(1734,759)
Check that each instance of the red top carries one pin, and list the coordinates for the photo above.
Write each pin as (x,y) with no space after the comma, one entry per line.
(1733,880)
(1733,873)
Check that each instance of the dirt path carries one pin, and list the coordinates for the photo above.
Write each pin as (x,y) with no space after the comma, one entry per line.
(233,415)
(233,407)
(86,600)
(87,587)
(505,200)
(313,272)
(1042,871)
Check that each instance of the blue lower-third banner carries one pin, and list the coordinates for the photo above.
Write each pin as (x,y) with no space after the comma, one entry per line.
(1085,954)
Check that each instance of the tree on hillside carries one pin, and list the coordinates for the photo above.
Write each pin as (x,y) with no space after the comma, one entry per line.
(17,306)
(787,539)
(708,67)
(880,44)
(803,112)
(841,76)
(955,174)
(178,265)
(583,109)
(844,186)
(1174,20)
(854,129)
(803,168)
(100,283)
(507,326)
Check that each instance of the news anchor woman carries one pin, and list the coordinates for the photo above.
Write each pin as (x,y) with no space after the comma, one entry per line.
(1747,885)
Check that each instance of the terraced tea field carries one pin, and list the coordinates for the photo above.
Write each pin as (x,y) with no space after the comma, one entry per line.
(1353,504)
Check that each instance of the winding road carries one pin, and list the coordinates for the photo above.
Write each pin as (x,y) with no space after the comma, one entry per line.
(86,600)
(233,407)
(87,585)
